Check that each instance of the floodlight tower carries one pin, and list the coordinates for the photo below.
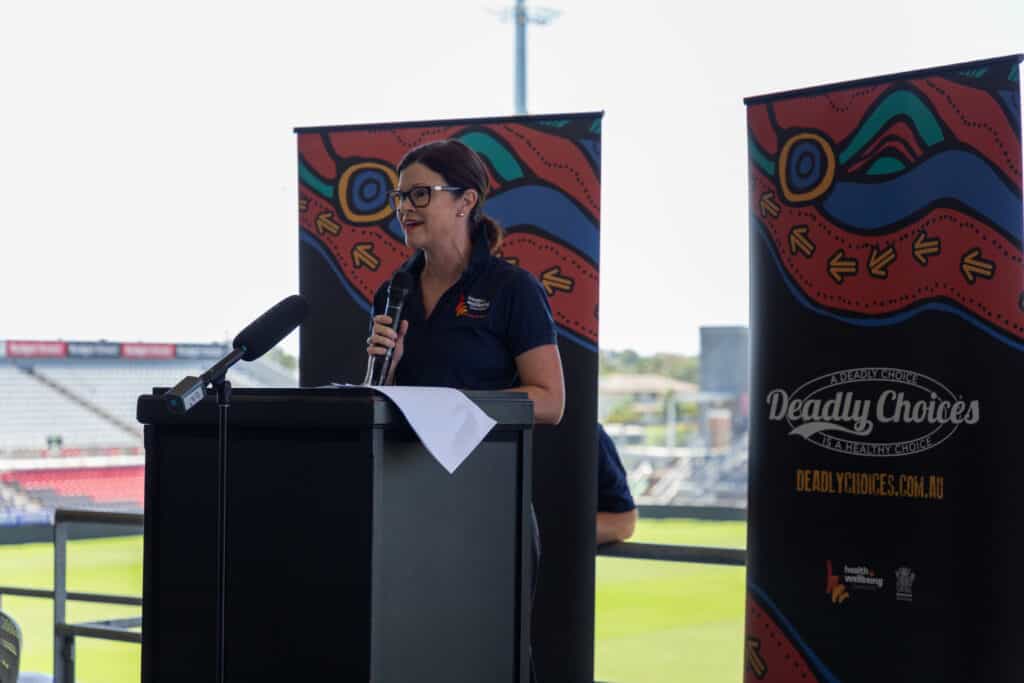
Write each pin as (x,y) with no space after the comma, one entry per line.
(522,16)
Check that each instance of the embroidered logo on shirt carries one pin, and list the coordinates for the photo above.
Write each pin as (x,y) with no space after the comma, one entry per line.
(471,307)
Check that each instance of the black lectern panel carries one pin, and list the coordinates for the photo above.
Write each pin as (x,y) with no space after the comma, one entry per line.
(350,552)
(471,543)
(290,538)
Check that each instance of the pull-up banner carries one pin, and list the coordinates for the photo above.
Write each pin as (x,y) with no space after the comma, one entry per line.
(887,318)
(545,174)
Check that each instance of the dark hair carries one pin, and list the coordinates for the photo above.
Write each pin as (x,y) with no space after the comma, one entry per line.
(462,167)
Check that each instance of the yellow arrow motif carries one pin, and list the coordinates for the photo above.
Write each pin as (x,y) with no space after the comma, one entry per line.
(879,261)
(924,247)
(768,206)
(363,256)
(303,204)
(799,241)
(973,266)
(755,662)
(553,281)
(839,265)
(325,223)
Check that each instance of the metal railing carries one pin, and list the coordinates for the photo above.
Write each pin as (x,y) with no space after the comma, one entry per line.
(736,557)
(123,630)
(64,634)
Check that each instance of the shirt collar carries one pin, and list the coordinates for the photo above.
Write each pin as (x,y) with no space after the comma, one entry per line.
(480,252)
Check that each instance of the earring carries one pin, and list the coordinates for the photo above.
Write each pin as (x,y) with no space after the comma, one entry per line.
(460,214)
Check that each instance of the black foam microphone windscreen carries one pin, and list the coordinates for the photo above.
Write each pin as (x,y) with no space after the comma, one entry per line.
(267,330)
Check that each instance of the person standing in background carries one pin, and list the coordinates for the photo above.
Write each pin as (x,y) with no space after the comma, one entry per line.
(616,511)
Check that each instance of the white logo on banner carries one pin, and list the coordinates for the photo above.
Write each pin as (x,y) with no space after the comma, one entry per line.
(862,577)
(872,411)
(905,577)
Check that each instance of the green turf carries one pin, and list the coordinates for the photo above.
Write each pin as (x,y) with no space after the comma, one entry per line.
(655,621)
(111,566)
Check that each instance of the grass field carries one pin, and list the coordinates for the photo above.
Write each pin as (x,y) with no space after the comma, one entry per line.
(666,622)
(111,566)
(656,622)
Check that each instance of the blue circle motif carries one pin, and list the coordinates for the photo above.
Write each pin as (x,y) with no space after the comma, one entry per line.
(806,165)
(367,190)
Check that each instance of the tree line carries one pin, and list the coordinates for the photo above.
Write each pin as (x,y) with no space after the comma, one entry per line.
(677,366)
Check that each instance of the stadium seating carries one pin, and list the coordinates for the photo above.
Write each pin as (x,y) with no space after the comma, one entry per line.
(116,384)
(30,411)
(691,476)
(112,488)
(68,433)
(90,403)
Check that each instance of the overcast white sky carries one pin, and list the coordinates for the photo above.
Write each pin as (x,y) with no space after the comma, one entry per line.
(148,165)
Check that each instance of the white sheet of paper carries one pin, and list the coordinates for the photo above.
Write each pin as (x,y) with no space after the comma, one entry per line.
(448,423)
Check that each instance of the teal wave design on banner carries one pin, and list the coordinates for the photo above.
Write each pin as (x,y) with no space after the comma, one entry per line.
(314,183)
(901,102)
(505,165)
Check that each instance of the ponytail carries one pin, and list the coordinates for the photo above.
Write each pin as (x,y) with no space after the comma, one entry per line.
(491,230)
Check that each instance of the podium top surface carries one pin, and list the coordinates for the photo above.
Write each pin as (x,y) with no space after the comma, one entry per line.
(323,407)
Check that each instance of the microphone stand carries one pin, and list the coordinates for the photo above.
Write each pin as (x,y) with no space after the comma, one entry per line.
(251,343)
(223,388)
(217,376)
(183,396)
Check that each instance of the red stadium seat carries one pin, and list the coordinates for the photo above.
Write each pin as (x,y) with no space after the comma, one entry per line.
(99,484)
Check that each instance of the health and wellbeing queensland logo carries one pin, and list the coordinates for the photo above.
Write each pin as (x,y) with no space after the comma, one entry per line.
(876,412)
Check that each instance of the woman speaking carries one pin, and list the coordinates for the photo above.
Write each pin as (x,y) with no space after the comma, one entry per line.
(471,319)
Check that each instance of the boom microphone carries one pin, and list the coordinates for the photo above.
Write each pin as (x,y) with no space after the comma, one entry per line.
(378,366)
(256,339)
(267,330)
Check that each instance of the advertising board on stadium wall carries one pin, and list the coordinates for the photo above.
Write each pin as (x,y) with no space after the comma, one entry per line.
(144,351)
(36,349)
(94,350)
(105,349)
(201,351)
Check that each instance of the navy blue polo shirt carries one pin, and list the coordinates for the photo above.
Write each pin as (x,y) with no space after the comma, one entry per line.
(612,487)
(494,312)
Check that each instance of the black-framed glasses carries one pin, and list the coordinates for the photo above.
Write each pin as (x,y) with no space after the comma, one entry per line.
(418,195)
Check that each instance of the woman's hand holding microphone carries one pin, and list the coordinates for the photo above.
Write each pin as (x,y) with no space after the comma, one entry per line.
(384,337)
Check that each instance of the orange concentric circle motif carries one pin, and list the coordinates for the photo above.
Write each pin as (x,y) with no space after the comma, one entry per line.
(807,167)
(363,191)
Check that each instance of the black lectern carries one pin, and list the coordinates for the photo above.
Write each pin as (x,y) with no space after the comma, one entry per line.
(352,555)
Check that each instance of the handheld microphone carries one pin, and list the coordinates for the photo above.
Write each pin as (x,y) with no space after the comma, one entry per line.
(256,339)
(378,366)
